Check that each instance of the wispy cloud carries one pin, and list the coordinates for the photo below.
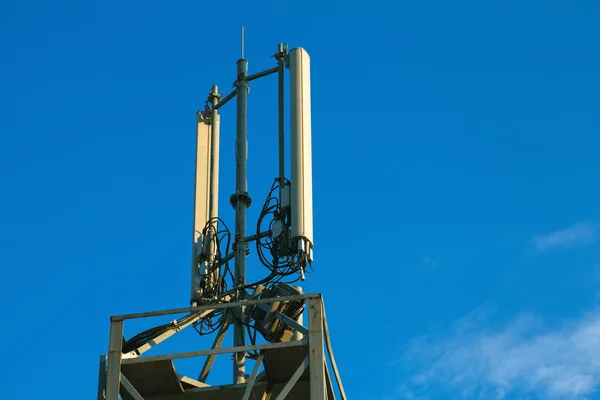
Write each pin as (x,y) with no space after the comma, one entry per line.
(575,235)
(520,357)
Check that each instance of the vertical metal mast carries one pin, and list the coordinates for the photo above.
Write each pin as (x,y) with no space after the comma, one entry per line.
(240,201)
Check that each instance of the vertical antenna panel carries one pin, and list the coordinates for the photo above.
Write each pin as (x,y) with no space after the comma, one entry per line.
(301,157)
(201,195)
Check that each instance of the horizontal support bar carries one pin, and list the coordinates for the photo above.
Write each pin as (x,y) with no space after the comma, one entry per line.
(218,306)
(190,393)
(227,258)
(225,99)
(200,353)
(250,238)
(261,235)
(261,74)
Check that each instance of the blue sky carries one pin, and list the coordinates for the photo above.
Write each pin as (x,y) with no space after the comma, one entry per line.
(455,145)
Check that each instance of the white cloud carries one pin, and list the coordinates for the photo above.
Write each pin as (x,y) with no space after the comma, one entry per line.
(575,235)
(519,358)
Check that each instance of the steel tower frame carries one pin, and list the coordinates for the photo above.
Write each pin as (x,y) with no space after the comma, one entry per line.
(306,376)
(294,369)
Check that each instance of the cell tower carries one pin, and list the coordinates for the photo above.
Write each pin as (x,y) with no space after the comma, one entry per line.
(290,361)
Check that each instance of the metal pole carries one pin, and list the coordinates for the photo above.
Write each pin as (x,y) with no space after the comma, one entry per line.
(113,374)
(243,43)
(240,201)
(316,349)
(281,119)
(102,377)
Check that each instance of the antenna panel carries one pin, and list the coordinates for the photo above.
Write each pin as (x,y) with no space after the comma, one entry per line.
(201,194)
(301,157)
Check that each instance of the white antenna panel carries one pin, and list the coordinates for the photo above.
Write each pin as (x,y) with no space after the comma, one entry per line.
(201,193)
(301,168)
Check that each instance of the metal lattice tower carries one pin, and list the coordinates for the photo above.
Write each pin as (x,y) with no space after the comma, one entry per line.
(290,361)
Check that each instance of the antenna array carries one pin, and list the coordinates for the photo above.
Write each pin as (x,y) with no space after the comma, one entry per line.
(220,296)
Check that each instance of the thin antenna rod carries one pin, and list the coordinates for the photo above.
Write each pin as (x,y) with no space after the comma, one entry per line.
(242,42)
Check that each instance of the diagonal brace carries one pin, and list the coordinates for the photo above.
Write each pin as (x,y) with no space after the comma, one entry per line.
(250,384)
(290,384)
(129,387)
(165,335)
(216,345)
